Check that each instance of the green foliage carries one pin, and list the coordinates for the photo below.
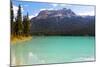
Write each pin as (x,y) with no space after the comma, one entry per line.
(19,22)
(11,17)
(26,24)
(19,27)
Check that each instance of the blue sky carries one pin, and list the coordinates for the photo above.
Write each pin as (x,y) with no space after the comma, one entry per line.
(33,8)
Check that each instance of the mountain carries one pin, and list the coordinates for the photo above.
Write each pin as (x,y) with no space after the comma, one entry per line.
(62,22)
(55,13)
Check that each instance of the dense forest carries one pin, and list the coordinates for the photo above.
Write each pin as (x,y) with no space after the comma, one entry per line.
(19,26)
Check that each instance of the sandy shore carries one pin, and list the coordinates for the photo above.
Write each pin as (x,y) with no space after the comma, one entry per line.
(19,39)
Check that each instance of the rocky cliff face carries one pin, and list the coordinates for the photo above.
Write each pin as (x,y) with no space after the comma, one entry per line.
(62,22)
(55,13)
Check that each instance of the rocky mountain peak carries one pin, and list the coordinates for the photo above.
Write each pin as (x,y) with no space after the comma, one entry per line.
(56,13)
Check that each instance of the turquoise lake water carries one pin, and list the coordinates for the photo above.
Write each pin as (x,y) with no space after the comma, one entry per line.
(53,49)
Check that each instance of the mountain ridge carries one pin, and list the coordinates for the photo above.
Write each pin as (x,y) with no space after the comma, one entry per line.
(55,13)
(63,21)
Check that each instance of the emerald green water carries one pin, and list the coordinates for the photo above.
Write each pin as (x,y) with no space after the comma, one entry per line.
(53,49)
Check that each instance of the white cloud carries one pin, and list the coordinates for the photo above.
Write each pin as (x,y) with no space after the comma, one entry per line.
(31,16)
(91,13)
(43,9)
(15,9)
(22,8)
(54,5)
(46,9)
(60,5)
(63,5)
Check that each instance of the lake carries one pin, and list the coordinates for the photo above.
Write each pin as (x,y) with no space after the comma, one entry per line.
(53,49)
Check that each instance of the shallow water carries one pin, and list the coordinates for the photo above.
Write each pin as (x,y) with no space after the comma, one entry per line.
(53,49)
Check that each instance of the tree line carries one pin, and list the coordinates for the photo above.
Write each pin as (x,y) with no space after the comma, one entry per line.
(19,26)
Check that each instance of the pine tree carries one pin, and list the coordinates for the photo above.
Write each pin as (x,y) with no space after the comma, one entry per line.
(11,17)
(26,24)
(19,25)
(15,27)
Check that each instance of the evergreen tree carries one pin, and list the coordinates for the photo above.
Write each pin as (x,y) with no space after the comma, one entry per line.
(15,27)
(19,26)
(11,17)
(26,24)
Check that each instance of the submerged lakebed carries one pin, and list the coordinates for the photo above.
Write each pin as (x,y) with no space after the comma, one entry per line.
(53,49)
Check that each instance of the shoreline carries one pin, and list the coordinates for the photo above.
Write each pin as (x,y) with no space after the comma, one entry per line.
(19,39)
(15,39)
